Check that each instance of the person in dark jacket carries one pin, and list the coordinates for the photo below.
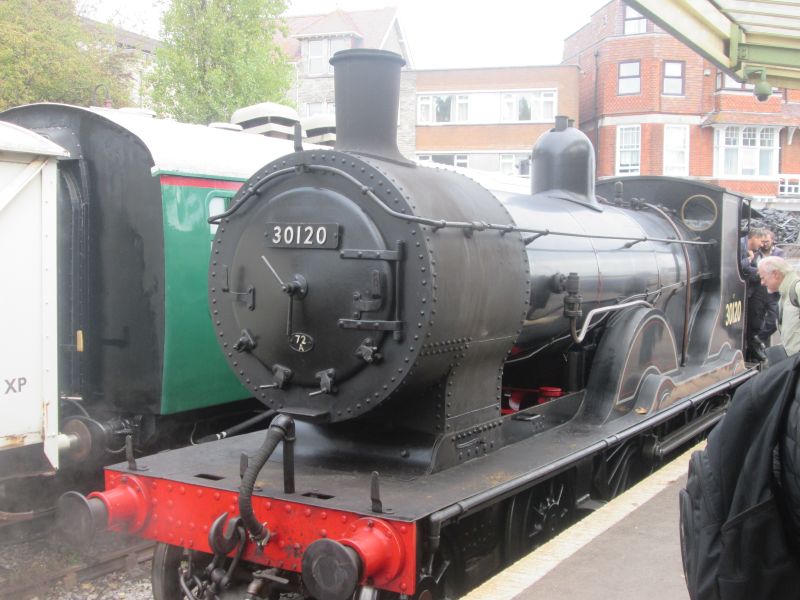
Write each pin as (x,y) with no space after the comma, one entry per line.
(757,298)
(740,511)
(763,303)
(768,247)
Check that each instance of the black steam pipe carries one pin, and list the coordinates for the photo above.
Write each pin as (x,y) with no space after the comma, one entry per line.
(281,429)
(236,428)
(441,223)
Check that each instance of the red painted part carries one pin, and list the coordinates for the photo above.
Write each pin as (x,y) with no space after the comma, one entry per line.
(548,393)
(128,504)
(181,514)
(515,399)
(218,184)
(379,547)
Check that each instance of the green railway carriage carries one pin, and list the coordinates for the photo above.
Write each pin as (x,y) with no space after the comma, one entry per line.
(135,346)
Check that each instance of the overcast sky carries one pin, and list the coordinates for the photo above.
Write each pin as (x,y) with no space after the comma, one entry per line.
(441,33)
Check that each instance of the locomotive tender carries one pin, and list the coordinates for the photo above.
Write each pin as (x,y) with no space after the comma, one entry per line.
(455,372)
(108,332)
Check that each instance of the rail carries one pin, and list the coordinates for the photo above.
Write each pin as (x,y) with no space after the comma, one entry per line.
(125,558)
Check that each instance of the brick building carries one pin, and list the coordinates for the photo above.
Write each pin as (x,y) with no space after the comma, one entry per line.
(489,118)
(313,39)
(652,106)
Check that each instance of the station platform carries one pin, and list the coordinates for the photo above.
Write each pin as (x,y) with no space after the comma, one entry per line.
(627,550)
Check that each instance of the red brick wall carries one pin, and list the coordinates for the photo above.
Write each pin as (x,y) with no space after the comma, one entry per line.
(599,47)
(503,78)
(790,154)
(605,22)
(651,50)
(745,101)
(479,137)
(701,151)
(748,188)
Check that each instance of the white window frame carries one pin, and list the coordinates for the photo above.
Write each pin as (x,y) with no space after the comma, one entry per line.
(346,43)
(321,46)
(637,77)
(543,107)
(537,101)
(628,168)
(748,149)
(634,23)
(510,162)
(507,164)
(671,78)
(462,108)
(324,49)
(424,110)
(677,170)
(327,107)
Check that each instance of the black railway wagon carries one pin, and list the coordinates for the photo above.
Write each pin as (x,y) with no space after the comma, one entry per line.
(129,347)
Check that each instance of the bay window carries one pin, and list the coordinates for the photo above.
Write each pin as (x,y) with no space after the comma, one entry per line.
(746,151)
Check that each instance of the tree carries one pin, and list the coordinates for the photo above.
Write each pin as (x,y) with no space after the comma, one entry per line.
(48,55)
(217,56)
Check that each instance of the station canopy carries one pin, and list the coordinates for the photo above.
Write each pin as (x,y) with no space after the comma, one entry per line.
(742,37)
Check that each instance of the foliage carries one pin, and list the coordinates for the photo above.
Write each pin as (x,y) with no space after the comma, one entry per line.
(217,56)
(47,54)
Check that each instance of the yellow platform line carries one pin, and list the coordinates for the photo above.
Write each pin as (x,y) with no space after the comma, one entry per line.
(528,570)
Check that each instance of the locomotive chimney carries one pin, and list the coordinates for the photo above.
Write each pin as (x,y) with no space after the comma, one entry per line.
(367,101)
(562,163)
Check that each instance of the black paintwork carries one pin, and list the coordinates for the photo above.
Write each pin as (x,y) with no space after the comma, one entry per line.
(409,322)
(412,495)
(113,269)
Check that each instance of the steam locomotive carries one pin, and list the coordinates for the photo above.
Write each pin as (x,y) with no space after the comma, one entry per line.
(454,372)
(106,330)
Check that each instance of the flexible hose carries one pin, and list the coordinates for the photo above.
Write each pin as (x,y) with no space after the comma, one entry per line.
(277,432)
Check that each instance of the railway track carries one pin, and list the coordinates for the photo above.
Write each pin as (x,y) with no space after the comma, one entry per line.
(42,579)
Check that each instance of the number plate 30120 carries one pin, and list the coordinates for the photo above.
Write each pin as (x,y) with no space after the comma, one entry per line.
(302,235)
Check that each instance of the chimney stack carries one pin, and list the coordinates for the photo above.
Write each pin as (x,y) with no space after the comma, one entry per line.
(367,101)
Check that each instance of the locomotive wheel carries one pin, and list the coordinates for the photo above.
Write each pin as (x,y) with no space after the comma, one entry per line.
(168,561)
(620,469)
(536,515)
(446,565)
